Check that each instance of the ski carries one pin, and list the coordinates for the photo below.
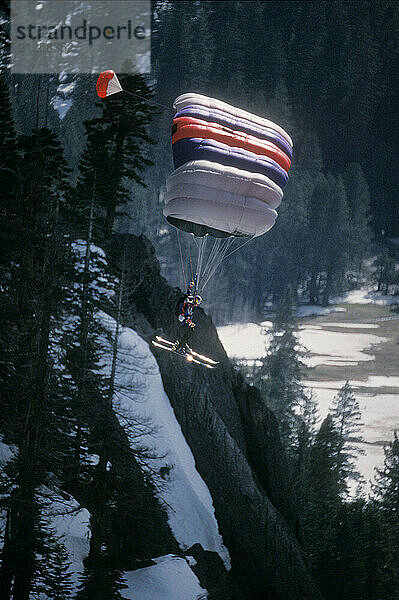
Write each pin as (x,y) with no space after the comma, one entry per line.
(161,339)
(169,348)
(204,358)
(189,356)
(200,357)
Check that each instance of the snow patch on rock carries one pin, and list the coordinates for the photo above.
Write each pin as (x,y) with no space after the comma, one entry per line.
(169,579)
(141,397)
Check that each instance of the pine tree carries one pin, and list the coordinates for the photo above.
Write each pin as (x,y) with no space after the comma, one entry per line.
(358,197)
(386,273)
(304,435)
(386,489)
(9,155)
(115,154)
(350,541)
(378,551)
(10,222)
(316,237)
(84,343)
(271,45)
(308,156)
(52,565)
(322,503)
(387,479)
(336,243)
(279,377)
(307,35)
(285,243)
(101,580)
(279,109)
(347,419)
(227,23)
(33,291)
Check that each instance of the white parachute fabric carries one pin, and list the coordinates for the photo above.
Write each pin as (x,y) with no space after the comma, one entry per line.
(234,214)
(114,86)
(226,178)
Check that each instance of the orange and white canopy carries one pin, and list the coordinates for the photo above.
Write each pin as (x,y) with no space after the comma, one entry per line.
(108,84)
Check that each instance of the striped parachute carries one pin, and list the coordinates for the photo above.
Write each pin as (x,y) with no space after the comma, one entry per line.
(230,170)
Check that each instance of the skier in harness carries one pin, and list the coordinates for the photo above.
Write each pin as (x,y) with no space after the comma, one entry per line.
(184,313)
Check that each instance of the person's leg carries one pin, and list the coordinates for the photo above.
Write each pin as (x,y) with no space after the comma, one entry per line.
(185,335)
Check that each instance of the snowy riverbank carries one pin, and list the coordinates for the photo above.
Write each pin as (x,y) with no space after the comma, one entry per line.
(338,344)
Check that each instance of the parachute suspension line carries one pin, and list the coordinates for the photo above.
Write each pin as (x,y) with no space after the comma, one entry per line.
(191,264)
(240,246)
(223,253)
(222,247)
(181,259)
(148,100)
(203,271)
(220,255)
(218,252)
(213,253)
(213,258)
(201,252)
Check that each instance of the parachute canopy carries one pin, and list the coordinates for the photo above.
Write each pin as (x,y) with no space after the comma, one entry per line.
(231,166)
(108,84)
(230,170)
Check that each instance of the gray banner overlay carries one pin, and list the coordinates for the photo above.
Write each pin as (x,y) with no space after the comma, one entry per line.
(65,36)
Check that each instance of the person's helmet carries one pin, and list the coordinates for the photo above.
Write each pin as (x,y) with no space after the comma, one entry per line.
(190,287)
(197,300)
(190,299)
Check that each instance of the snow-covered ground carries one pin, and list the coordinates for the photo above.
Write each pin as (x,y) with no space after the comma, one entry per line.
(336,348)
(142,401)
(250,341)
(169,579)
(380,411)
(366,296)
(309,310)
(62,101)
(71,521)
(6,453)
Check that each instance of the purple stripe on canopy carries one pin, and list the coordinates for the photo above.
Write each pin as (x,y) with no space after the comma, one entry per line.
(238,124)
(188,149)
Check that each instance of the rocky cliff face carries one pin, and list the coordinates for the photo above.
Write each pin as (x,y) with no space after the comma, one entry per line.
(233,436)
